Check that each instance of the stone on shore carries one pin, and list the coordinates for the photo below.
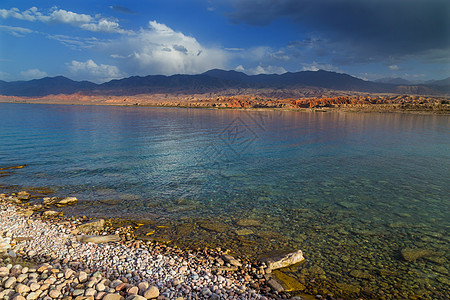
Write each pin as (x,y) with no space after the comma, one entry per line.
(284,260)
(66,201)
(113,297)
(275,285)
(231,260)
(95,225)
(152,292)
(50,213)
(98,239)
(23,195)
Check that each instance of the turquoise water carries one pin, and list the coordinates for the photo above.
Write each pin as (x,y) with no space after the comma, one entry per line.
(351,190)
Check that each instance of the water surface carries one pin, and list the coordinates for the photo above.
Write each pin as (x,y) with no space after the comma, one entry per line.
(350,190)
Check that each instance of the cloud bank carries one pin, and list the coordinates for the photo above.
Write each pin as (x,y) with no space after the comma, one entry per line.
(61,16)
(158,49)
(366,28)
(89,70)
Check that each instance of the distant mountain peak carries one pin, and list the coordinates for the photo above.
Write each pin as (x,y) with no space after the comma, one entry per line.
(394,80)
(215,80)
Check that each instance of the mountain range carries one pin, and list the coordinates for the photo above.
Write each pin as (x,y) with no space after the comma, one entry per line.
(217,80)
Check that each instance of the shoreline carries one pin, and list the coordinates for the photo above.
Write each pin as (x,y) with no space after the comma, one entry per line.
(55,245)
(357,103)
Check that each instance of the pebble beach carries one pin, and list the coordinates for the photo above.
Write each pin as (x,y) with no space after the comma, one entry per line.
(46,257)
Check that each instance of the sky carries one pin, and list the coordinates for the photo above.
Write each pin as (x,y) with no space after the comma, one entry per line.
(100,40)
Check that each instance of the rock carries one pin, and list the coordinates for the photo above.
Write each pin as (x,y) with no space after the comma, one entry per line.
(121,286)
(34,286)
(100,287)
(151,293)
(360,274)
(66,201)
(22,288)
(248,222)
(443,280)
(33,295)
(137,297)
(112,297)
(4,271)
(132,290)
(117,282)
(21,277)
(78,292)
(49,201)
(18,297)
(348,288)
(43,268)
(54,293)
(68,272)
(244,231)
(10,282)
(82,277)
(88,227)
(23,195)
(410,254)
(143,286)
(284,260)
(50,213)
(90,292)
(98,239)
(213,226)
(231,260)
(12,254)
(275,285)
(289,284)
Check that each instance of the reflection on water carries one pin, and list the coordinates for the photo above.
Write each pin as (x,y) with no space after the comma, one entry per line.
(351,190)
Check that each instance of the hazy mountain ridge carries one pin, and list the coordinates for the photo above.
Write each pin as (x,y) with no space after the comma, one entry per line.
(212,81)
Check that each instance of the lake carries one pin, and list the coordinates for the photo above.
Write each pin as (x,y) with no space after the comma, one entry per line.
(352,190)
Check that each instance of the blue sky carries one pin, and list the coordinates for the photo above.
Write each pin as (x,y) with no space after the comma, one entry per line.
(103,40)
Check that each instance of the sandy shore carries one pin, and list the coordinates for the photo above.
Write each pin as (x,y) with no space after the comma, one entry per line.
(46,257)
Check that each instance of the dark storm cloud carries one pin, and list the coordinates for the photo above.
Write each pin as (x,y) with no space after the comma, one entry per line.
(122,9)
(375,27)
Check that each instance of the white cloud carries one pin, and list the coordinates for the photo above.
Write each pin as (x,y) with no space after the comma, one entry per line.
(105,25)
(159,49)
(315,66)
(5,76)
(17,31)
(266,70)
(89,70)
(60,16)
(393,67)
(32,74)
(240,68)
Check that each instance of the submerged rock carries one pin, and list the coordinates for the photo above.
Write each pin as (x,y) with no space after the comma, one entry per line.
(244,231)
(248,222)
(289,283)
(360,274)
(410,254)
(211,226)
(284,260)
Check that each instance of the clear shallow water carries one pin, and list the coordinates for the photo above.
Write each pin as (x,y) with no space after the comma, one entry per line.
(351,190)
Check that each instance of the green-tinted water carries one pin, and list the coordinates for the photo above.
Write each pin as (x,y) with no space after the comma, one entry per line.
(351,190)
